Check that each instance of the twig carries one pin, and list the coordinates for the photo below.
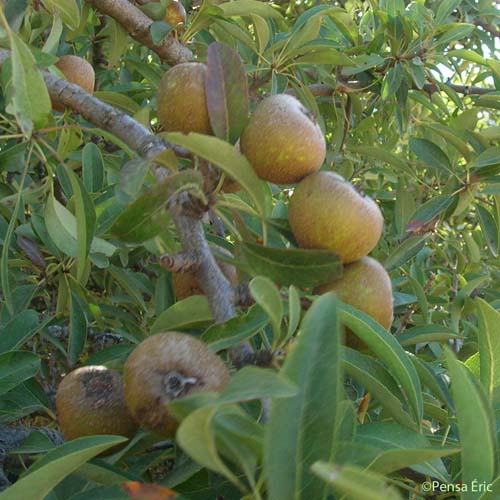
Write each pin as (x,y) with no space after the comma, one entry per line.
(137,24)
(489,28)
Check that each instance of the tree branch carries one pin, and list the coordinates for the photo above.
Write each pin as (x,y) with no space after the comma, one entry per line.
(489,28)
(219,291)
(137,24)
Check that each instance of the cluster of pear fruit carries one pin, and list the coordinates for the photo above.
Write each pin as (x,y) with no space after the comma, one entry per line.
(94,400)
(285,145)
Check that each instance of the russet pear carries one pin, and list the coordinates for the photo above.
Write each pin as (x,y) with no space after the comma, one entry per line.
(181,99)
(164,367)
(78,71)
(282,141)
(326,212)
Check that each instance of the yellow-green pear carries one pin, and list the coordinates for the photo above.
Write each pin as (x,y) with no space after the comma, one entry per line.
(181,99)
(365,285)
(282,141)
(326,212)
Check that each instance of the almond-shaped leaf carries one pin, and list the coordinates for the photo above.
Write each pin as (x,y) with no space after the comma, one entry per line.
(146,216)
(85,221)
(476,426)
(236,330)
(404,252)
(77,329)
(487,163)
(251,383)
(68,9)
(292,266)
(29,98)
(43,476)
(394,441)
(355,482)
(92,168)
(266,294)
(191,312)
(290,445)
(431,209)
(249,7)
(431,154)
(227,92)
(388,350)
(427,333)
(489,229)
(16,367)
(489,348)
(375,378)
(19,330)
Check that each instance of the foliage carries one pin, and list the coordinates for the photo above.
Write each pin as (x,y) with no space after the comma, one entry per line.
(398,88)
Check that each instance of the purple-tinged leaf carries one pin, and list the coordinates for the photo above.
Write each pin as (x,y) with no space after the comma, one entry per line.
(227,92)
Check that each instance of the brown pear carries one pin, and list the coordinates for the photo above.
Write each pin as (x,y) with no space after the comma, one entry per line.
(78,71)
(164,367)
(326,212)
(366,286)
(282,141)
(175,15)
(186,284)
(181,99)
(90,401)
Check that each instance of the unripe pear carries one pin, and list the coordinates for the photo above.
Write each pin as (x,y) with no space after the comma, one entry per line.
(282,141)
(365,285)
(326,212)
(186,284)
(78,71)
(164,367)
(181,99)
(90,401)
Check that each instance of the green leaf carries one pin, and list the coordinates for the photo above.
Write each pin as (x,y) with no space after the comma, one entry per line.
(146,216)
(132,176)
(19,330)
(85,222)
(49,471)
(489,349)
(77,329)
(229,160)
(487,163)
(189,313)
(388,350)
(251,383)
(92,168)
(374,377)
(236,330)
(430,154)
(475,426)
(454,32)
(68,9)
(401,447)
(429,211)
(249,7)
(128,281)
(159,31)
(266,294)
(62,228)
(292,266)
(489,229)
(355,482)
(392,81)
(16,367)
(404,252)
(196,436)
(427,333)
(29,99)
(445,8)
(291,449)
(226,91)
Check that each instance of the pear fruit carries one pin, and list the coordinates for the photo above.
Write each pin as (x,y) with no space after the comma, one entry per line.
(175,15)
(90,400)
(186,284)
(78,71)
(164,367)
(326,212)
(181,99)
(282,141)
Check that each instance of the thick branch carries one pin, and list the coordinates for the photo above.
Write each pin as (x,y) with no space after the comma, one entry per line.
(137,24)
